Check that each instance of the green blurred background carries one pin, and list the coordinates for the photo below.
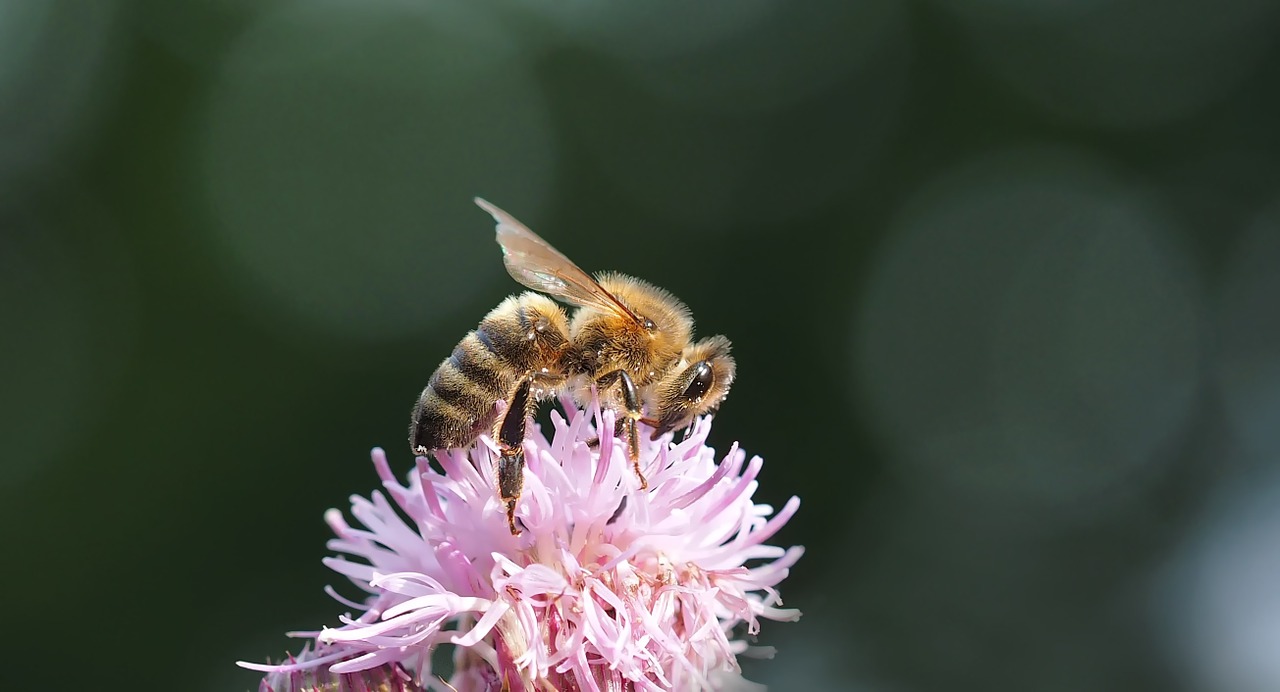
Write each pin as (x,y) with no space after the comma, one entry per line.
(1001,277)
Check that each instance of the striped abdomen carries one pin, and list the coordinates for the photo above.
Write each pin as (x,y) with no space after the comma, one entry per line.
(523,334)
(457,404)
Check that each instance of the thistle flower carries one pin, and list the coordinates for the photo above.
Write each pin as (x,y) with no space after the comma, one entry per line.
(307,673)
(607,588)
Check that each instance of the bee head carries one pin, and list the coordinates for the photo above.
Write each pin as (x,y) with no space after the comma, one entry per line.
(696,386)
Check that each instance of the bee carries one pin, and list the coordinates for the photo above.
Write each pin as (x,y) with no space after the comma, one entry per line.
(628,342)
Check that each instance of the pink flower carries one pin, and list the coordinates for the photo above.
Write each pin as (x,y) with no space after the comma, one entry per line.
(307,673)
(607,588)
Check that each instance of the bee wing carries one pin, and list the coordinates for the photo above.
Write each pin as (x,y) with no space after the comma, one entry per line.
(533,262)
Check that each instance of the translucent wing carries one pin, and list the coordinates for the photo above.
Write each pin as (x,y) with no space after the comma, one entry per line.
(533,262)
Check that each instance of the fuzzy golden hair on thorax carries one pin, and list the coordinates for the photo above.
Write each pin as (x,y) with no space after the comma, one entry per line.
(608,341)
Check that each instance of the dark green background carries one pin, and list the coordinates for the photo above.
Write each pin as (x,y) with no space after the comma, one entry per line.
(1001,279)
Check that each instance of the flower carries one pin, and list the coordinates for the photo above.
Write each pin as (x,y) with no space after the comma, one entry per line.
(607,588)
(307,673)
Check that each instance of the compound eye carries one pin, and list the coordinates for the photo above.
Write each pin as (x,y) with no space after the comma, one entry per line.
(701,384)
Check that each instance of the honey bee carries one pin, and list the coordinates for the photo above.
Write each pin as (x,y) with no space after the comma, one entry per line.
(628,341)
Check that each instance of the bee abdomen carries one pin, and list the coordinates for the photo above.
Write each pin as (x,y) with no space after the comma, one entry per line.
(475,367)
(457,404)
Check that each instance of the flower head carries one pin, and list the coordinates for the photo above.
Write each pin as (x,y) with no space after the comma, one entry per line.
(307,672)
(607,588)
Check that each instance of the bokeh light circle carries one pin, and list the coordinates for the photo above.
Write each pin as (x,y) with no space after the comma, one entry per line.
(1217,604)
(342,148)
(1031,333)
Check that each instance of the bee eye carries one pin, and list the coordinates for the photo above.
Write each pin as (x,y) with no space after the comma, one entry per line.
(701,384)
(648,324)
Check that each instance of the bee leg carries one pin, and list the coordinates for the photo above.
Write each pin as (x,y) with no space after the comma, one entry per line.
(511,445)
(631,404)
